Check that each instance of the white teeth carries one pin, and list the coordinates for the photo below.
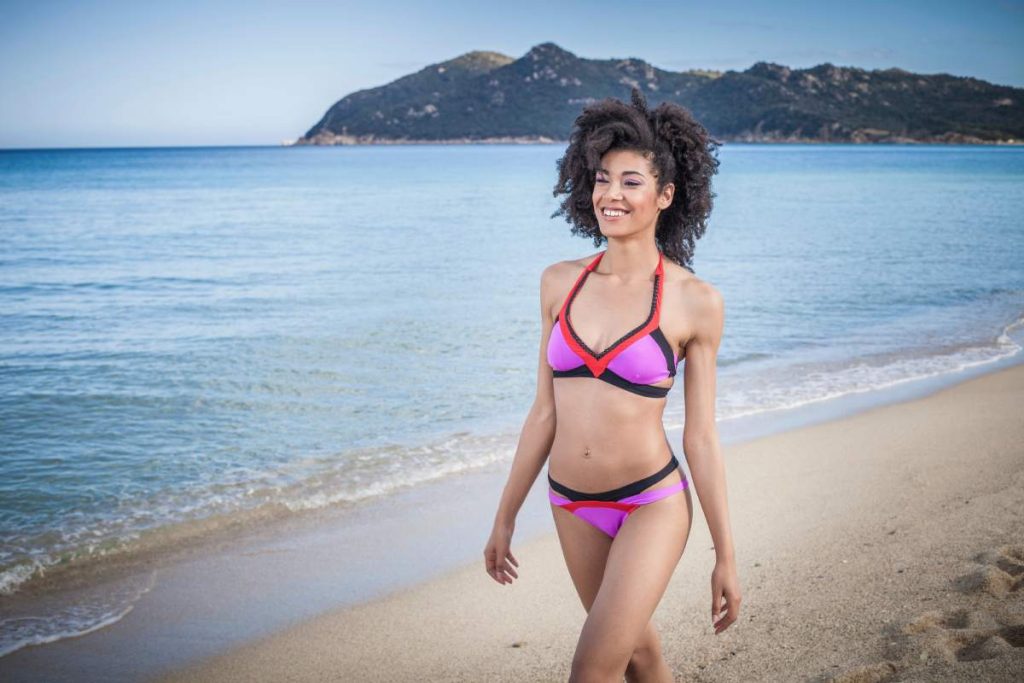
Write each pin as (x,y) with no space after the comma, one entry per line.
(610,212)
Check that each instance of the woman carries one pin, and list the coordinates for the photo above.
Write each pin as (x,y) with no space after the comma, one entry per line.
(640,180)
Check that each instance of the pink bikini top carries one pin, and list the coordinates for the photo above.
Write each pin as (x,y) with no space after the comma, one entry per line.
(636,360)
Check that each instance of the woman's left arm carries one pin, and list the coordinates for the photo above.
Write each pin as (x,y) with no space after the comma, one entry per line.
(703,450)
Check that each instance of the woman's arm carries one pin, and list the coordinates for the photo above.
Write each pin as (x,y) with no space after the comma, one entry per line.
(539,428)
(535,441)
(703,450)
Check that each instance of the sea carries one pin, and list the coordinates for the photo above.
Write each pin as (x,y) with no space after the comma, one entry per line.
(196,339)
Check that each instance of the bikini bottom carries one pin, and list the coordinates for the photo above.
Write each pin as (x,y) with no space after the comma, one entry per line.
(609,509)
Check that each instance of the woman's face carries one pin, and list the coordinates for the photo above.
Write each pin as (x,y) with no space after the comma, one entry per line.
(625,180)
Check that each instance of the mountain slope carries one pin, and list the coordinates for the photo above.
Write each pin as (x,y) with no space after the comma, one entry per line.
(487,96)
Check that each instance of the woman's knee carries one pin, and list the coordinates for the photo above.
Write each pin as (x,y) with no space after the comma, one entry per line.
(595,668)
(643,659)
(647,655)
(601,664)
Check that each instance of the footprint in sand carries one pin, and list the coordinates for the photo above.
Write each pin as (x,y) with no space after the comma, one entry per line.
(982,642)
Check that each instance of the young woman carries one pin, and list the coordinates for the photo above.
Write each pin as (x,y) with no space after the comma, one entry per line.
(614,327)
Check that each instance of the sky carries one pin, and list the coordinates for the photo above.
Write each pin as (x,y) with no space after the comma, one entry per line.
(123,74)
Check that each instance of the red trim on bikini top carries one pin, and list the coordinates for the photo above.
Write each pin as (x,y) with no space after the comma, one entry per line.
(625,507)
(597,366)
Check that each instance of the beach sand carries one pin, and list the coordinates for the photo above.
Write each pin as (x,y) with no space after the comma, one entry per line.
(883,546)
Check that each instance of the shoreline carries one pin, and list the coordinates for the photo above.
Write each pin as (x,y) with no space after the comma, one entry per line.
(264,584)
(902,553)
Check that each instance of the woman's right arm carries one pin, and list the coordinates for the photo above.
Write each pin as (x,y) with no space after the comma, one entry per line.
(535,441)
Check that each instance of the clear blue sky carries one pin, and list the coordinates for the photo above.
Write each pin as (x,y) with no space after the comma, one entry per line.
(82,73)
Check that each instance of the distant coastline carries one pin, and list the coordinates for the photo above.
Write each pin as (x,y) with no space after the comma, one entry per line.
(352,140)
(490,98)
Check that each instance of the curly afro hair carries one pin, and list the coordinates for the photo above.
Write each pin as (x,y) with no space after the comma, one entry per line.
(679,149)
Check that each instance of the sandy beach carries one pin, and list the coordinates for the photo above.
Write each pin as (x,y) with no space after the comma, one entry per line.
(883,546)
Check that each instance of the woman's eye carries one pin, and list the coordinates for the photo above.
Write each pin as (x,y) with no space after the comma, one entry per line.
(602,180)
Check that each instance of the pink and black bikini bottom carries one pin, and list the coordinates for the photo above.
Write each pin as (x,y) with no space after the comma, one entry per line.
(609,509)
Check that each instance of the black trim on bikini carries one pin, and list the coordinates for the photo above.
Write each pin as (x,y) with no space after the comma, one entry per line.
(621,492)
(649,390)
(598,356)
(618,380)
(666,349)
(663,343)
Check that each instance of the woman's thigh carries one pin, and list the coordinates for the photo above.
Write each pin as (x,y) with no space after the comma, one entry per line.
(585,548)
(640,564)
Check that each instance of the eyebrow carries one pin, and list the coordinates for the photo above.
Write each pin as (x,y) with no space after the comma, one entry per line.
(604,170)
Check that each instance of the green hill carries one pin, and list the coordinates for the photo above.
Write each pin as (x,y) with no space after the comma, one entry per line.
(490,97)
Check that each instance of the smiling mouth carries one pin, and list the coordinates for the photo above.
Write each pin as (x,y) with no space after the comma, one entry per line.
(615,213)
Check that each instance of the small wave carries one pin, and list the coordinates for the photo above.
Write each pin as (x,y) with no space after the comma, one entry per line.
(806,385)
(179,520)
(745,358)
(89,611)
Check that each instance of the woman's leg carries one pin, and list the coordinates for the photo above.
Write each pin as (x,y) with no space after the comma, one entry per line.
(640,563)
(585,548)
(585,556)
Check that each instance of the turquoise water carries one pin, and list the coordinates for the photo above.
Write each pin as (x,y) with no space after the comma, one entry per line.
(198,336)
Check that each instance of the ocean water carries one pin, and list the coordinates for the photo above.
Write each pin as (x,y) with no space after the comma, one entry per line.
(195,338)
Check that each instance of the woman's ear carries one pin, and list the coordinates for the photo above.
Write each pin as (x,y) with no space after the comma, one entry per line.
(666,196)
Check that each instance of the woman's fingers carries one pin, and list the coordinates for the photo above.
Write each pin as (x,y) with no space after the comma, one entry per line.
(724,622)
(509,569)
(502,571)
(716,603)
(731,614)
(499,573)
(491,563)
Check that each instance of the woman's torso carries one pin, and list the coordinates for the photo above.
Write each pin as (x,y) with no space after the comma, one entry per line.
(621,422)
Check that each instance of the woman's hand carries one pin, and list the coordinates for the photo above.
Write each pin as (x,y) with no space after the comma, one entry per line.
(497,556)
(724,583)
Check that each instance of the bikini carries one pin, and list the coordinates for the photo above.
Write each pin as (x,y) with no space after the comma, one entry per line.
(634,362)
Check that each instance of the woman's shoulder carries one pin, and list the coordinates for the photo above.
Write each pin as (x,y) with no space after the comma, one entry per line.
(686,291)
(558,271)
(690,306)
(572,263)
(688,283)
(558,277)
